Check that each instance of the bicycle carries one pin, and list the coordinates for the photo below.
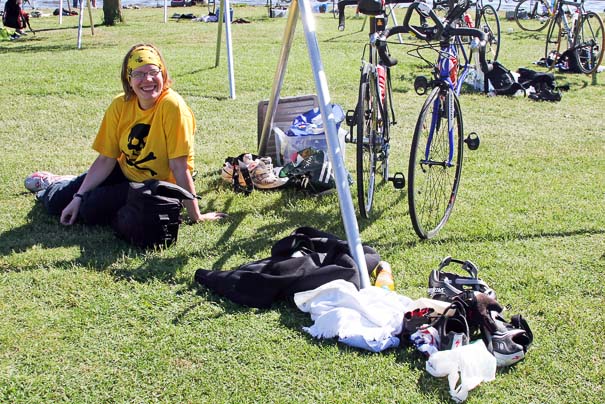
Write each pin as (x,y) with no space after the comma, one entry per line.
(534,15)
(486,19)
(373,115)
(435,162)
(584,34)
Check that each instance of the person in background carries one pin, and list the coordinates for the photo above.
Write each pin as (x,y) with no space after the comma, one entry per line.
(15,17)
(147,133)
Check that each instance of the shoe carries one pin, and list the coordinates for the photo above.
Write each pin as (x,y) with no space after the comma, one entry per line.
(453,328)
(14,36)
(227,174)
(22,33)
(509,342)
(264,176)
(40,180)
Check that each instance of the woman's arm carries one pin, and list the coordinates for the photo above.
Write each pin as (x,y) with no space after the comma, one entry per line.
(181,173)
(97,173)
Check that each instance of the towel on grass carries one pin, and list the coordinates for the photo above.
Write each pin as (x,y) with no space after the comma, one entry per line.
(370,318)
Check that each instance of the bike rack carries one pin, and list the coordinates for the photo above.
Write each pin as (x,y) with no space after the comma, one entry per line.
(334,149)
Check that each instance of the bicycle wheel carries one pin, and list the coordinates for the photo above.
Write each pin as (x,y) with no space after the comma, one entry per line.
(589,42)
(368,134)
(489,23)
(532,15)
(493,3)
(435,162)
(555,34)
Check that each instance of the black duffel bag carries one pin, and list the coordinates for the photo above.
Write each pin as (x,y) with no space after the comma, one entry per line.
(152,214)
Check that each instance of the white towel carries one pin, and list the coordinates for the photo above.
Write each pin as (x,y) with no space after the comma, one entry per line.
(339,309)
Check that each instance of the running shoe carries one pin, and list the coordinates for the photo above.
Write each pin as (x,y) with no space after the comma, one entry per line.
(40,180)
(508,342)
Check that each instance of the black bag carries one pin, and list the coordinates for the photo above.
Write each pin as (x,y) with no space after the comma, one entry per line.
(151,216)
(544,85)
(568,62)
(370,7)
(312,172)
(502,80)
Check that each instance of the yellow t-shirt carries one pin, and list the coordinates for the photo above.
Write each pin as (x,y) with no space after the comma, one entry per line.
(144,140)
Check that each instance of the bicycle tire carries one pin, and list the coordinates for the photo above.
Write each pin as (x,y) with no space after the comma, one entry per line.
(367,122)
(589,42)
(496,4)
(432,188)
(489,22)
(552,51)
(532,15)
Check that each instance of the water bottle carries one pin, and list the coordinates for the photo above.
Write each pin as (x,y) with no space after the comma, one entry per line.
(383,276)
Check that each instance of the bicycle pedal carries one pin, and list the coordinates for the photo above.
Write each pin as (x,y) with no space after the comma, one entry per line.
(472,141)
(350,117)
(421,84)
(398,180)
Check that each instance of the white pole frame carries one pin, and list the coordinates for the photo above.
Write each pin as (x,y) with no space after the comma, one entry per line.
(81,20)
(225,16)
(334,148)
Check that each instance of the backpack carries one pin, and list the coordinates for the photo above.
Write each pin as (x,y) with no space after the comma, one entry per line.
(501,80)
(151,215)
(311,171)
(568,62)
(543,84)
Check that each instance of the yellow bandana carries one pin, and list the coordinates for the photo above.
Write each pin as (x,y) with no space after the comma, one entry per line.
(143,55)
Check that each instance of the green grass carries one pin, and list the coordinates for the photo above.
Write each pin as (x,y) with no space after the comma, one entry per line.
(87,319)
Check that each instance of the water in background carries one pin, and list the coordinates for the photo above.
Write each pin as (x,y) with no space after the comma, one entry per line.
(594,5)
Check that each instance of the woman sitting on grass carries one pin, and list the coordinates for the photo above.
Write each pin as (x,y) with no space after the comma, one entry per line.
(147,133)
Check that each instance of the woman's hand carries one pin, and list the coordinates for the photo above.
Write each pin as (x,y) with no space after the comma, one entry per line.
(211,216)
(70,213)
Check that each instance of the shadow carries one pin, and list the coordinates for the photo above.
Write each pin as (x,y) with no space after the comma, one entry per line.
(34,44)
(219,306)
(99,249)
(503,237)
(341,36)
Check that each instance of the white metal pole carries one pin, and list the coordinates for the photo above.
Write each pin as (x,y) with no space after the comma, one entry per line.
(80,21)
(334,148)
(227,18)
(165,11)
(395,23)
(61,12)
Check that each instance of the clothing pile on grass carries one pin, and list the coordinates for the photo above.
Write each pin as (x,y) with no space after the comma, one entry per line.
(459,327)
(499,80)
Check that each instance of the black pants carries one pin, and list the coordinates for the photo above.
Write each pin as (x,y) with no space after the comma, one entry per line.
(98,206)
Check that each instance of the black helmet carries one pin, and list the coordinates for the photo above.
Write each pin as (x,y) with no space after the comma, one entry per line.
(446,285)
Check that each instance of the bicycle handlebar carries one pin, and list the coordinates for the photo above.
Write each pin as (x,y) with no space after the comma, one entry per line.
(442,30)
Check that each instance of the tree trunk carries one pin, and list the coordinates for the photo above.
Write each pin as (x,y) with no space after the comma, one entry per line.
(112,12)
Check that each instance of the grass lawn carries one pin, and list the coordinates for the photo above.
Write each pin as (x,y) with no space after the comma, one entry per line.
(85,318)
